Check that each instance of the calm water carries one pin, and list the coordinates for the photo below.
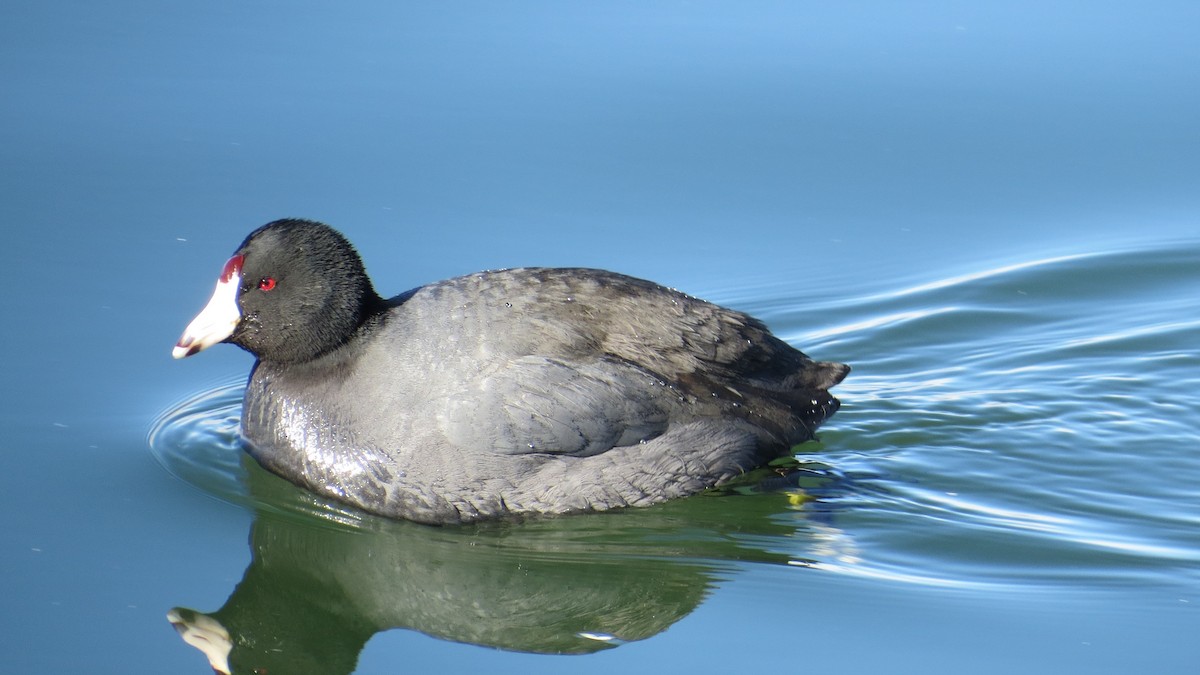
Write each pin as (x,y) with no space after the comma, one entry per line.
(991,213)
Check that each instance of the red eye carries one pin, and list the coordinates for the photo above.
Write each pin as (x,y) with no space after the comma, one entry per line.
(266,283)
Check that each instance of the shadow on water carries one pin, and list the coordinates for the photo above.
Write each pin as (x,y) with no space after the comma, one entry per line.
(324,579)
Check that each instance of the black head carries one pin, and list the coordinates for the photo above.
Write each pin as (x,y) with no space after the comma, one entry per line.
(300,291)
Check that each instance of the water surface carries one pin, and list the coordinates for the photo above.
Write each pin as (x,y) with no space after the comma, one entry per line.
(990,212)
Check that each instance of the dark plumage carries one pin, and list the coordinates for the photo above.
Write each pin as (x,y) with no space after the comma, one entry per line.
(509,392)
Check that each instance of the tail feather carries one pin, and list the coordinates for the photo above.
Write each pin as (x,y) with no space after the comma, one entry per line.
(830,373)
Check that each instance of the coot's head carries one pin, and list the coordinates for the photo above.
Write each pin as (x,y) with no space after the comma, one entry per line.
(294,289)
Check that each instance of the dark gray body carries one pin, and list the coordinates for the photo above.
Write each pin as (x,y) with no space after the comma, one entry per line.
(535,391)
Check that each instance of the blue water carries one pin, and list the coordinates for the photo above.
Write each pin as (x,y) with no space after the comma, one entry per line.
(990,212)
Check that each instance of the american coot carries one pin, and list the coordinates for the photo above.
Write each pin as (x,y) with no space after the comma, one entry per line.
(501,393)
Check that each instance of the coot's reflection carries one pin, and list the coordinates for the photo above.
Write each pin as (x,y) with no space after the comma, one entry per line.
(317,589)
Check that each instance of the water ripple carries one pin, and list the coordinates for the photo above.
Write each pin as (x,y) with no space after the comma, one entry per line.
(1026,426)
(1034,423)
(197,440)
